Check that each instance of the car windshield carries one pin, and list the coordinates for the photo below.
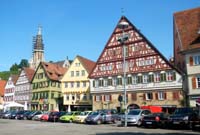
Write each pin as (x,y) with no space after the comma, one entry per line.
(134,112)
(94,113)
(183,110)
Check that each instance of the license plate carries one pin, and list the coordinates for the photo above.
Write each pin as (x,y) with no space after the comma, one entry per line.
(175,122)
(148,122)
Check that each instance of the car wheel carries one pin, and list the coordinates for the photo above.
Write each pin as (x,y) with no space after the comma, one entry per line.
(98,122)
(70,121)
(139,124)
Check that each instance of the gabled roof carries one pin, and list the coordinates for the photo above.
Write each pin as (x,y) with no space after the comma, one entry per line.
(14,78)
(116,31)
(2,87)
(87,64)
(53,71)
(29,73)
(187,24)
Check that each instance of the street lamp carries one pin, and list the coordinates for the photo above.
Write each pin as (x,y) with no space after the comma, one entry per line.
(124,37)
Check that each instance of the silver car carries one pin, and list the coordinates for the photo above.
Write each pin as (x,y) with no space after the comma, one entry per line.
(134,117)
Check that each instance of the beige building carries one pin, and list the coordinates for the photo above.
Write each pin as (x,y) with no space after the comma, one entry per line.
(76,85)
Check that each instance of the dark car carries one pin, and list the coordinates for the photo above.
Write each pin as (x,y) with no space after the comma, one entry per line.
(54,116)
(13,115)
(22,115)
(156,120)
(181,117)
(31,115)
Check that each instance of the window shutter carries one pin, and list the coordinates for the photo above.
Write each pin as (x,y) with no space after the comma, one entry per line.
(165,95)
(194,83)
(174,96)
(95,99)
(110,97)
(144,97)
(156,94)
(191,61)
(164,77)
(174,75)
(104,97)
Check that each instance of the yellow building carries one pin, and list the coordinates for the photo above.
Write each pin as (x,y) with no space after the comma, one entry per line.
(46,90)
(76,85)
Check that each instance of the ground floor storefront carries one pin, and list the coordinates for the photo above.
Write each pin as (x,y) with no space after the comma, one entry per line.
(168,99)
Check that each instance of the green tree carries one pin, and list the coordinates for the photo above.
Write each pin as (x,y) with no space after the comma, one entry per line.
(23,63)
(14,67)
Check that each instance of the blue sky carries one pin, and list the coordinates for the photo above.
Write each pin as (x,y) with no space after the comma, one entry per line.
(81,27)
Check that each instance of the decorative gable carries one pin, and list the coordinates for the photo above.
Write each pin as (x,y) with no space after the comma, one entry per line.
(141,55)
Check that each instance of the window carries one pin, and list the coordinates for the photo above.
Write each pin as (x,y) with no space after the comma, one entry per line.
(73,97)
(169,76)
(107,97)
(101,83)
(77,73)
(109,82)
(72,84)
(52,95)
(161,95)
(66,84)
(139,79)
(78,84)
(145,79)
(72,73)
(119,81)
(163,77)
(148,96)
(105,82)
(157,77)
(67,97)
(84,84)
(129,80)
(83,72)
(198,82)
(134,79)
(151,78)
(196,60)
(98,98)
(84,97)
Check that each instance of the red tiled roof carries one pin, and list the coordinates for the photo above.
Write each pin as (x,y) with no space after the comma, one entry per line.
(2,87)
(87,64)
(14,78)
(53,71)
(29,73)
(188,24)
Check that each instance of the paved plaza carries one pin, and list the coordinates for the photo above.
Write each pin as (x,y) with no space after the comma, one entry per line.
(25,127)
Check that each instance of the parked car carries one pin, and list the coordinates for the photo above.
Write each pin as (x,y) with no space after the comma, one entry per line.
(81,118)
(54,116)
(38,117)
(135,116)
(181,117)
(109,115)
(195,120)
(13,114)
(45,116)
(21,115)
(95,117)
(31,115)
(156,120)
(69,117)
(6,115)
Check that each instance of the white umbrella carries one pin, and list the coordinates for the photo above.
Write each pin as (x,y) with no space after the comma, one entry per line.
(14,104)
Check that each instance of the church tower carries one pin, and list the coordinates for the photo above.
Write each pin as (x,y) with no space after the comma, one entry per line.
(38,49)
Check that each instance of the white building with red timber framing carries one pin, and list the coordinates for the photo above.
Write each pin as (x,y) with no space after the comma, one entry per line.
(150,77)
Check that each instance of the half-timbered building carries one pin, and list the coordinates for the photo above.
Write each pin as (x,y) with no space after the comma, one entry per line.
(150,77)
(23,89)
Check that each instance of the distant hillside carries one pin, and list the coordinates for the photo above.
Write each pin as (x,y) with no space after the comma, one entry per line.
(5,74)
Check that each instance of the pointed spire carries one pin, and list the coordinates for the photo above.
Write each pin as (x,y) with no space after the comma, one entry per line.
(39,30)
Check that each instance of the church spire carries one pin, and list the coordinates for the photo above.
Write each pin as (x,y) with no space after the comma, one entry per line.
(38,49)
